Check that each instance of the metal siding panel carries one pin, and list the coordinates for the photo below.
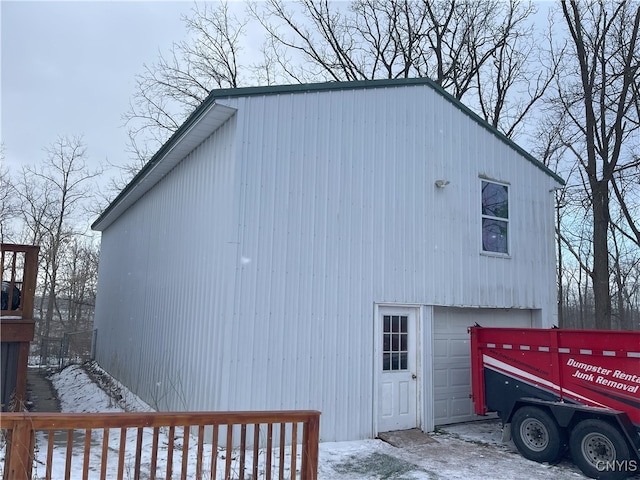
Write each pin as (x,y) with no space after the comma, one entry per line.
(158,290)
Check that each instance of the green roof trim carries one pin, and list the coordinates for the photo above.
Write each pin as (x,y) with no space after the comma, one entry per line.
(381,83)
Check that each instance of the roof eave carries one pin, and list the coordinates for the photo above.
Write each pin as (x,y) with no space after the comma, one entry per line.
(200,125)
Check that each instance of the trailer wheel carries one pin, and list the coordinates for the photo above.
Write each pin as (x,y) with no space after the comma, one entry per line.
(600,450)
(537,436)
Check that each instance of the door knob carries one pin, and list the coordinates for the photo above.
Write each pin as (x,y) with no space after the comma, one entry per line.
(413,375)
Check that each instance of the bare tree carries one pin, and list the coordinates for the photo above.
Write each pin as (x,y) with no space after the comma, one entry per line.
(624,256)
(8,206)
(78,284)
(626,187)
(516,76)
(448,41)
(168,90)
(596,103)
(484,52)
(52,198)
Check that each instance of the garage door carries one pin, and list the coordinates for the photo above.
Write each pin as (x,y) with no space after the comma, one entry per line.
(451,358)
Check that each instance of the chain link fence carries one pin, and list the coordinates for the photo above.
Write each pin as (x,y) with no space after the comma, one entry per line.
(71,349)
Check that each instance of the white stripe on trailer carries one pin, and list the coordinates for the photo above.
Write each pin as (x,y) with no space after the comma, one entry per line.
(519,374)
(516,371)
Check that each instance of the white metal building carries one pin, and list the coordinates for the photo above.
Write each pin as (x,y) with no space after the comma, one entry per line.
(324,247)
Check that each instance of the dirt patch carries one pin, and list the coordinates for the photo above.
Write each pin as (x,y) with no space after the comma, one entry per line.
(380,465)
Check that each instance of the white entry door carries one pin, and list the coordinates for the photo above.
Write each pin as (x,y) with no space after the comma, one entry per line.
(397,366)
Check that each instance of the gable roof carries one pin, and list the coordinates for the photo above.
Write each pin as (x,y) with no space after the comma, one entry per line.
(209,115)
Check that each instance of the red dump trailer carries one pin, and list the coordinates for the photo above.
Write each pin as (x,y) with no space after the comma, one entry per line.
(555,389)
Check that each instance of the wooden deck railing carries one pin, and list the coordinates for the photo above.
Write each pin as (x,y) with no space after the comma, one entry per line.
(19,268)
(141,445)
(18,272)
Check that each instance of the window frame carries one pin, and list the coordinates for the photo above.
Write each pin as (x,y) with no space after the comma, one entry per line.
(506,220)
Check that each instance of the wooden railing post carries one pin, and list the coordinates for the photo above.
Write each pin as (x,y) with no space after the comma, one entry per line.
(30,278)
(310,440)
(22,441)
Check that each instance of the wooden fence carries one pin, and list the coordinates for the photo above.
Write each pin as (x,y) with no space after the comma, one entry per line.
(141,445)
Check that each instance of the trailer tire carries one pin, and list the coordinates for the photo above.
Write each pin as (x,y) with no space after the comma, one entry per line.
(537,436)
(600,451)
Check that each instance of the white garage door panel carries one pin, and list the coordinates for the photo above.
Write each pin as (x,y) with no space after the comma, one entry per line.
(451,362)
(460,377)
(440,409)
(459,347)
(440,379)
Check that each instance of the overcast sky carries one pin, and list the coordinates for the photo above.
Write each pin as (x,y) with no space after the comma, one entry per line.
(68,68)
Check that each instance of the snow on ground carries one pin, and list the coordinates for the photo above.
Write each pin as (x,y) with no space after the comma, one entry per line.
(472,451)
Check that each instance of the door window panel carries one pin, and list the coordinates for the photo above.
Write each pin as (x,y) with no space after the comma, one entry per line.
(395,343)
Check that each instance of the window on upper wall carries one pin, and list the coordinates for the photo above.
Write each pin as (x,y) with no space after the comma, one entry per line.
(495,217)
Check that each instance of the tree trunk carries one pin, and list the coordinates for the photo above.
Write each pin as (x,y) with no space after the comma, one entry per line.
(600,274)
